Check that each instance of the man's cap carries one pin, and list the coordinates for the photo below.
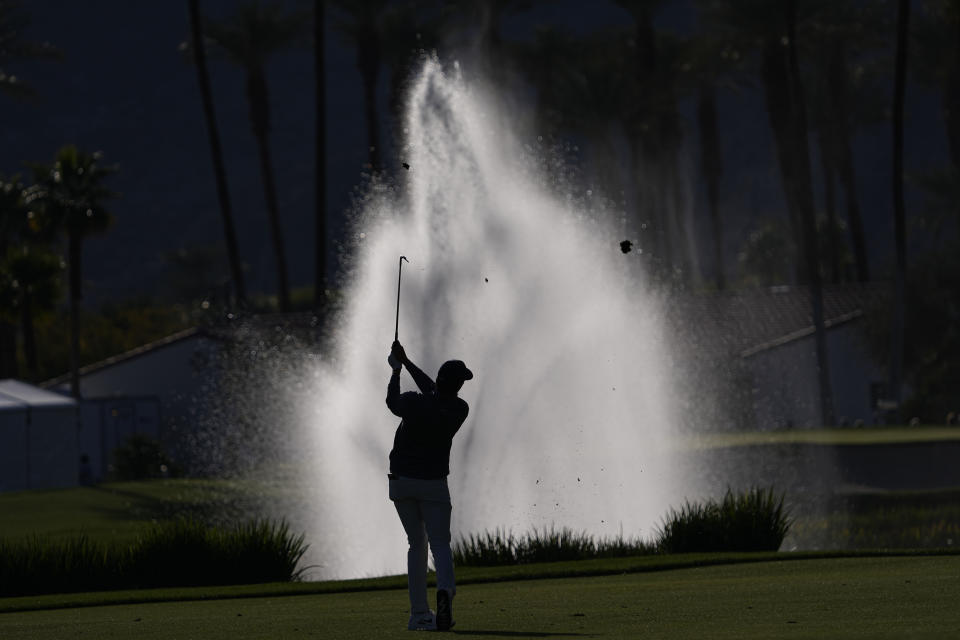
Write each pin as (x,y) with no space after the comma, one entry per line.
(454,370)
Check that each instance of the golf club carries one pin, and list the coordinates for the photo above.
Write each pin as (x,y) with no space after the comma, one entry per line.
(396,332)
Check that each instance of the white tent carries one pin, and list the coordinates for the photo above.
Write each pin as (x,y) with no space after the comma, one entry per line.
(38,438)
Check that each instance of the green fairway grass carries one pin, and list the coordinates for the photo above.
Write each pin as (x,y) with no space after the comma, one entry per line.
(846,436)
(113,512)
(863,597)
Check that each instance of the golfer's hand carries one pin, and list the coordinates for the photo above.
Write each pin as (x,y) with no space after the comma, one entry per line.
(397,353)
(396,366)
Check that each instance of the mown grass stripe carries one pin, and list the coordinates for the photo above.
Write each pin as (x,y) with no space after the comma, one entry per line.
(465,576)
(853,436)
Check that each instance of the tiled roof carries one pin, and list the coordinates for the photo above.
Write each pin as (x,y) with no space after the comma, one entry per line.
(743,323)
(230,329)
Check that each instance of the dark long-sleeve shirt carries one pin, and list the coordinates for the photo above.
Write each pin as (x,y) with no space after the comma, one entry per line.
(421,446)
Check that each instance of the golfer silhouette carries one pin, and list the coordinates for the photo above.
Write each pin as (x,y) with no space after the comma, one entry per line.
(419,466)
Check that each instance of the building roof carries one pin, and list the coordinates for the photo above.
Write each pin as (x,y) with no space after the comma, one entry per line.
(16,395)
(232,328)
(136,352)
(747,322)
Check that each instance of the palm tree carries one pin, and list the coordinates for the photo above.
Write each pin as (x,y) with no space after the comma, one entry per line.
(771,29)
(320,143)
(407,31)
(803,198)
(711,64)
(551,63)
(29,273)
(843,38)
(13,221)
(216,151)
(359,22)
(711,163)
(12,48)
(585,91)
(935,52)
(767,256)
(899,213)
(656,132)
(70,195)
(757,26)
(935,45)
(248,38)
(34,278)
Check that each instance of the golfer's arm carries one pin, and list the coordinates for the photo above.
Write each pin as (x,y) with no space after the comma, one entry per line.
(424,383)
(393,393)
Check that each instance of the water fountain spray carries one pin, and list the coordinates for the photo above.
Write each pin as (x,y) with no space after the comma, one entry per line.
(572,423)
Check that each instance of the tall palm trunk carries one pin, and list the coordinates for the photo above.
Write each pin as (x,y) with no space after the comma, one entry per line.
(649,206)
(29,335)
(260,118)
(802,194)
(951,102)
(8,350)
(8,330)
(75,261)
(712,164)
(899,209)
(320,142)
(951,99)
(777,93)
(368,60)
(848,179)
(838,82)
(656,146)
(829,198)
(216,153)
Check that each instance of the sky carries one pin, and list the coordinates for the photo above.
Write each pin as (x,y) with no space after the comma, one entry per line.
(124,88)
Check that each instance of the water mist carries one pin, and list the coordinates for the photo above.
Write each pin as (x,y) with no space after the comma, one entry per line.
(570,410)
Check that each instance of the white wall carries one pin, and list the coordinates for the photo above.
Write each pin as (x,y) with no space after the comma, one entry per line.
(108,422)
(38,448)
(786,390)
(13,449)
(852,369)
(168,372)
(54,456)
(785,385)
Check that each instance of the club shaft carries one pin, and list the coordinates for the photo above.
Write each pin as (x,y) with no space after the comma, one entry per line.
(396,331)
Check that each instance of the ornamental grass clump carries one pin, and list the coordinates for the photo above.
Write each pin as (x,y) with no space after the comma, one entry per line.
(553,545)
(189,553)
(500,547)
(754,520)
(178,553)
(489,549)
(38,566)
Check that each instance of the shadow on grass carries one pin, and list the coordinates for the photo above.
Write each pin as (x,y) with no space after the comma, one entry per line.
(211,507)
(518,634)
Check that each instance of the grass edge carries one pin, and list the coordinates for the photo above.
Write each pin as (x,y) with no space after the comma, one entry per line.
(466,576)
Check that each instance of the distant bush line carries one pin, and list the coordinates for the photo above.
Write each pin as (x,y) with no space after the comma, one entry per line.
(549,545)
(754,520)
(178,553)
(186,552)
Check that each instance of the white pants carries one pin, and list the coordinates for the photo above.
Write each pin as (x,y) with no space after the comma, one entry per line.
(424,509)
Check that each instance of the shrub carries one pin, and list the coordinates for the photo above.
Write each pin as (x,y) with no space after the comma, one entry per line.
(38,566)
(140,457)
(485,550)
(176,553)
(549,545)
(754,520)
(186,552)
